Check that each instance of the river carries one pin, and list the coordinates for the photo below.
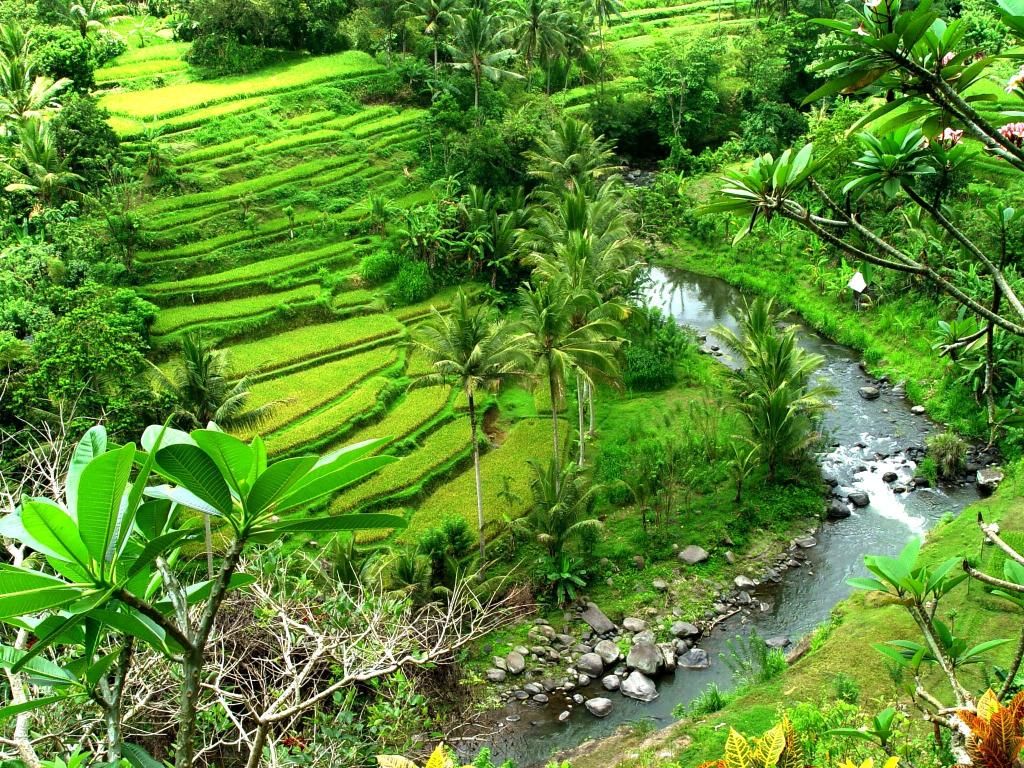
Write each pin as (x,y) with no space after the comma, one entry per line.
(868,438)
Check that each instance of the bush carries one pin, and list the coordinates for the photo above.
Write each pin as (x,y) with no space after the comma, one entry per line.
(62,52)
(949,453)
(224,55)
(379,266)
(85,138)
(107,45)
(652,357)
(413,283)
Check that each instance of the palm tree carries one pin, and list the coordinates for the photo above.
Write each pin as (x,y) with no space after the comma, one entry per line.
(15,43)
(572,157)
(38,167)
(203,391)
(23,94)
(559,343)
(473,349)
(435,15)
(603,11)
(478,48)
(562,504)
(88,15)
(779,396)
(537,30)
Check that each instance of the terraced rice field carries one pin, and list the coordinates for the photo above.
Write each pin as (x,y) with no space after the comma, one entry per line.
(641,26)
(257,247)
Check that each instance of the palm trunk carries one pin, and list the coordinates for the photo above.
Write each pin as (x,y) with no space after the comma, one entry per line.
(590,400)
(580,385)
(476,472)
(553,387)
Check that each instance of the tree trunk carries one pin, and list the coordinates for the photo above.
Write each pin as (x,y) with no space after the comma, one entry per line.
(553,387)
(580,385)
(590,400)
(476,473)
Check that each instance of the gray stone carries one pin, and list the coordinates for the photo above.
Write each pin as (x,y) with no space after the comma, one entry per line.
(890,477)
(837,510)
(684,629)
(532,688)
(540,698)
(599,706)
(515,663)
(693,555)
(730,558)
(647,636)
(744,598)
(608,651)
(611,682)
(869,393)
(578,698)
(806,542)
(988,479)
(499,662)
(668,656)
(563,716)
(596,619)
(744,582)
(859,499)
(640,687)
(777,642)
(495,675)
(695,658)
(639,562)
(917,410)
(522,650)
(590,664)
(632,624)
(660,585)
(521,695)
(645,657)
(545,631)
(565,640)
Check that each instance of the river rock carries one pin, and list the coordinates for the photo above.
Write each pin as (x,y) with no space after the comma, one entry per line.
(611,682)
(599,706)
(695,658)
(684,629)
(730,558)
(565,640)
(596,619)
(805,542)
(859,499)
(540,698)
(869,393)
(693,555)
(499,662)
(777,642)
(608,651)
(890,477)
(659,585)
(533,688)
(837,510)
(744,598)
(988,479)
(744,582)
(917,410)
(578,698)
(645,657)
(668,656)
(544,630)
(495,675)
(590,664)
(640,687)
(632,624)
(563,716)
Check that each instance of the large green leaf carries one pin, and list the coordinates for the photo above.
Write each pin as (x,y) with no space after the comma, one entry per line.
(52,527)
(190,467)
(23,591)
(350,522)
(233,457)
(39,668)
(13,710)
(92,444)
(139,757)
(159,436)
(332,481)
(132,623)
(101,500)
(279,478)
(183,497)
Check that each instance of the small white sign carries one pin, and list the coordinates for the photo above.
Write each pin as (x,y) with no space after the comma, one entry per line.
(857,283)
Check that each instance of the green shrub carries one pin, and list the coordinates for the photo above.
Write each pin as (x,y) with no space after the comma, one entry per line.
(712,699)
(653,355)
(949,453)
(845,688)
(380,266)
(224,55)
(413,283)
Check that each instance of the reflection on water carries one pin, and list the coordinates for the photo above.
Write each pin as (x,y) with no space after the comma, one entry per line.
(869,439)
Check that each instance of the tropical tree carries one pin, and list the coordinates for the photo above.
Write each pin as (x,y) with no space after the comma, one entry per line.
(436,16)
(560,344)
(603,11)
(472,349)
(571,157)
(89,15)
(114,574)
(562,504)
(37,166)
(478,47)
(204,390)
(537,30)
(23,93)
(779,396)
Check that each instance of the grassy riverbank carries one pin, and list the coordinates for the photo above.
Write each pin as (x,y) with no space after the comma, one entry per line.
(842,657)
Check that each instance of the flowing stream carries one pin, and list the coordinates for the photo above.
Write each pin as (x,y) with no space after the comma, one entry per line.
(868,439)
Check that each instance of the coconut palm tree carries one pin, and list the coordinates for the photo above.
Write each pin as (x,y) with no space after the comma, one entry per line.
(562,504)
(88,15)
(472,349)
(15,42)
(479,48)
(23,94)
(38,167)
(204,390)
(436,16)
(603,11)
(537,30)
(560,345)
(572,157)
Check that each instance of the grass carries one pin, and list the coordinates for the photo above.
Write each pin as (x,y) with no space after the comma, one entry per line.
(178,99)
(312,341)
(417,408)
(128,127)
(303,392)
(177,318)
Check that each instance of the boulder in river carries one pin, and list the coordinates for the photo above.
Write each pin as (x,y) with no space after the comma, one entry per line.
(590,664)
(640,687)
(599,706)
(869,393)
(988,479)
(693,555)
(744,582)
(495,675)
(645,657)
(805,542)
(608,651)
(837,510)
(611,682)
(684,629)
(695,658)
(917,410)
(859,498)
(598,622)
(777,642)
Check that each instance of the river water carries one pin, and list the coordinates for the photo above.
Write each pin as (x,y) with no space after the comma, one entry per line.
(867,439)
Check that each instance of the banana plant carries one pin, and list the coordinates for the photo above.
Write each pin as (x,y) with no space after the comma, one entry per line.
(114,546)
